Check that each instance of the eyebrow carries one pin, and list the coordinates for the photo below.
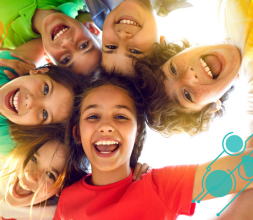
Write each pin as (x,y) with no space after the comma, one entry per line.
(51,93)
(176,98)
(117,107)
(84,52)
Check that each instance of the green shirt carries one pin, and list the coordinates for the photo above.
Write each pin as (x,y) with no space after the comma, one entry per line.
(19,14)
(6,144)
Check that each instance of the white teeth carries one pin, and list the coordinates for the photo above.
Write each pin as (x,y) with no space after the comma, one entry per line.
(103,152)
(14,100)
(207,69)
(124,21)
(60,32)
(106,142)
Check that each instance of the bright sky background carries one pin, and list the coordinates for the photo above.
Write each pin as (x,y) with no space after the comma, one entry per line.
(199,25)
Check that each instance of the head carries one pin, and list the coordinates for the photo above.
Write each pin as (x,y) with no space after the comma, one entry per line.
(70,43)
(111,109)
(182,96)
(43,97)
(129,31)
(39,167)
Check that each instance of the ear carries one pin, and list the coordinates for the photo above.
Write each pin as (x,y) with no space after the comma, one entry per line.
(92,28)
(162,38)
(217,107)
(57,194)
(76,134)
(43,70)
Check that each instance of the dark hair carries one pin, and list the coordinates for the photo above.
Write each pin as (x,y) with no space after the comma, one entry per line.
(113,78)
(164,115)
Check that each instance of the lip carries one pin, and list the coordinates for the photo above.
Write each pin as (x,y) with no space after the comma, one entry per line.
(14,193)
(53,28)
(126,17)
(106,139)
(7,100)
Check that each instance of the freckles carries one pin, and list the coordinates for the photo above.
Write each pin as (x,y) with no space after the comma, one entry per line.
(204,94)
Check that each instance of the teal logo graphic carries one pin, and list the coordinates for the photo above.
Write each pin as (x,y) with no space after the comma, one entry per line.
(219,183)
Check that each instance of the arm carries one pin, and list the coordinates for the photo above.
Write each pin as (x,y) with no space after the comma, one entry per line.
(225,163)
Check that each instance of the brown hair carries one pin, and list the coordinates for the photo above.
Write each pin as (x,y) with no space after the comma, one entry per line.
(164,115)
(126,83)
(30,139)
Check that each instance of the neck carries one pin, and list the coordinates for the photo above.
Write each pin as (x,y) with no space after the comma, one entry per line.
(100,178)
(38,18)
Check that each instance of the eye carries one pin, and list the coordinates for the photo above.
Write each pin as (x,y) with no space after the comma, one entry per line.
(34,159)
(135,51)
(187,95)
(50,175)
(45,114)
(111,47)
(172,68)
(46,89)
(84,45)
(93,117)
(65,60)
(121,117)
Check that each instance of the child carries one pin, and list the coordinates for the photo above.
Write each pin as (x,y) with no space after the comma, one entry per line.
(67,41)
(35,172)
(110,127)
(182,96)
(48,166)
(44,97)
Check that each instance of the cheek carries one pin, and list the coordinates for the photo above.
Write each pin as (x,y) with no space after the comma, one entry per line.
(206,94)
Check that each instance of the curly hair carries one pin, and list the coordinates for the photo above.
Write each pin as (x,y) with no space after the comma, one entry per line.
(164,115)
(128,85)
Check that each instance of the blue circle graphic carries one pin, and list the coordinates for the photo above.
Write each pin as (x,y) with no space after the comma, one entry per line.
(218,183)
(234,143)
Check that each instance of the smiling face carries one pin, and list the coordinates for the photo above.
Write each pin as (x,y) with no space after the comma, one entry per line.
(69,43)
(108,128)
(39,176)
(201,75)
(130,30)
(34,100)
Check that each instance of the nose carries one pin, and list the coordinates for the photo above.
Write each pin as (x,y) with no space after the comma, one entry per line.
(67,42)
(33,176)
(189,76)
(124,34)
(106,128)
(30,101)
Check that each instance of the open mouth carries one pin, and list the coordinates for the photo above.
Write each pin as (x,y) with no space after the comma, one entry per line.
(20,190)
(106,147)
(58,31)
(14,100)
(212,65)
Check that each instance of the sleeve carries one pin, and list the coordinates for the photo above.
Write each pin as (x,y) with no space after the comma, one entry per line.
(174,185)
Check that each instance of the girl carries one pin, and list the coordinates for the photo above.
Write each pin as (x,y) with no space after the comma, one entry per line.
(110,127)
(66,41)
(44,97)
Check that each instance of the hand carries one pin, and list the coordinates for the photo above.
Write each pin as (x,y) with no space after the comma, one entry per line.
(20,67)
(139,170)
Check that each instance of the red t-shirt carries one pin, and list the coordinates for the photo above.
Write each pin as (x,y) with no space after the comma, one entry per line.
(160,194)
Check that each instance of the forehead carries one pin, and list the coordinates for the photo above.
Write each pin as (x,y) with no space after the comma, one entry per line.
(61,102)
(108,96)
(53,152)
